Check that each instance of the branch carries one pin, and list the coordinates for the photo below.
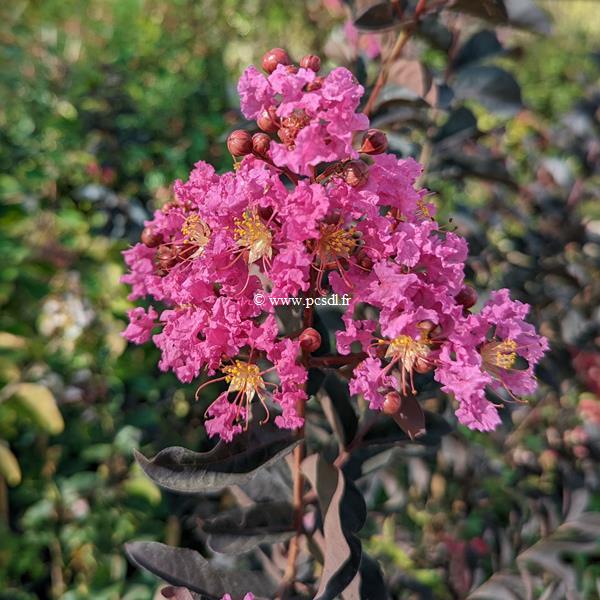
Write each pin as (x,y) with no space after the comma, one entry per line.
(394,54)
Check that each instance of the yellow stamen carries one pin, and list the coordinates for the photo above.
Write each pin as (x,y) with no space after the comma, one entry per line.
(253,235)
(500,354)
(196,231)
(336,242)
(406,350)
(245,378)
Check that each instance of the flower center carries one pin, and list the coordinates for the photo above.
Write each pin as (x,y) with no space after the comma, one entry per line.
(406,350)
(500,354)
(335,242)
(253,235)
(245,378)
(196,231)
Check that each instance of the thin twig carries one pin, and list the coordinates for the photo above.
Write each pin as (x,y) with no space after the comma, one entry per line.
(384,72)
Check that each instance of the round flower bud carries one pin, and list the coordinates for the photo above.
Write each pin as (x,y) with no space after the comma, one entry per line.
(268,120)
(364,260)
(151,238)
(315,84)
(312,62)
(166,257)
(274,57)
(422,366)
(239,143)
(310,339)
(260,144)
(467,296)
(392,403)
(355,173)
(374,142)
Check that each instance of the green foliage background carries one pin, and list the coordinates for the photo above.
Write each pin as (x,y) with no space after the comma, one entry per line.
(103,103)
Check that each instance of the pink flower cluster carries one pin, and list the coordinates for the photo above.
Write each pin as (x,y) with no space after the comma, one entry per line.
(315,205)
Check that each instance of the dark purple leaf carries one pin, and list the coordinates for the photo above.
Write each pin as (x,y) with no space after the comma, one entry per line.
(368,583)
(189,569)
(493,87)
(479,46)
(178,593)
(490,10)
(410,418)
(338,408)
(241,529)
(528,15)
(376,15)
(461,124)
(386,432)
(180,470)
(344,513)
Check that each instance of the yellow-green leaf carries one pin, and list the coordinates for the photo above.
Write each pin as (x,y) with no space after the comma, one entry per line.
(9,466)
(9,341)
(39,401)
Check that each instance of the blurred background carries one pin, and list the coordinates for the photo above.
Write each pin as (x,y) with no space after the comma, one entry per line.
(103,103)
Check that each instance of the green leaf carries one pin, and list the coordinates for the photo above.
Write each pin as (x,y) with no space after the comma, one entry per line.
(40,403)
(9,466)
(180,470)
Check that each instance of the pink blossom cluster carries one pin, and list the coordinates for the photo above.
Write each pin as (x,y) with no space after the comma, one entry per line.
(315,205)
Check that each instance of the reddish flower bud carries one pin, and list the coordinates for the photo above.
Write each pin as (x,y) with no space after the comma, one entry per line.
(274,57)
(374,142)
(166,257)
(392,403)
(316,84)
(287,135)
(364,260)
(268,120)
(310,339)
(467,296)
(422,365)
(355,173)
(312,62)
(151,238)
(239,143)
(260,144)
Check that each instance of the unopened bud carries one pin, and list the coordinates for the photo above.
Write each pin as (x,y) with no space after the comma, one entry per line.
(310,339)
(166,257)
(312,62)
(268,120)
(364,260)
(274,57)
(392,403)
(355,173)
(374,142)
(239,143)
(151,238)
(315,84)
(422,365)
(467,296)
(260,144)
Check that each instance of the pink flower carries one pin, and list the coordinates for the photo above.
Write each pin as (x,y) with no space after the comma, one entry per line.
(248,596)
(140,325)
(306,220)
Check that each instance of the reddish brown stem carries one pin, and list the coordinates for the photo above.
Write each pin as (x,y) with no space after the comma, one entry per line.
(384,72)
(298,457)
(335,360)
